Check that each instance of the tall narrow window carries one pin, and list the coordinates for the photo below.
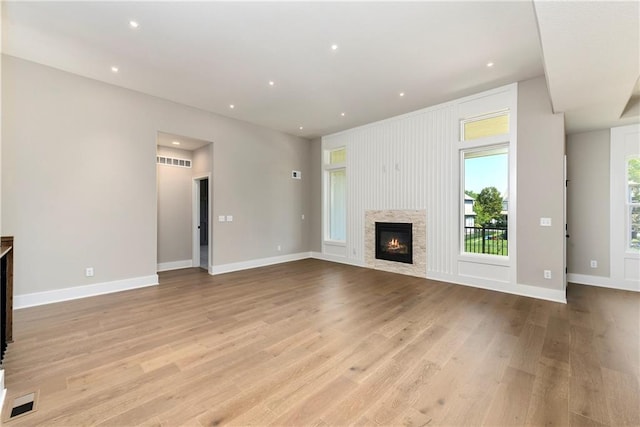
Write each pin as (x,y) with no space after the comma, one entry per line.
(337,205)
(633,203)
(336,195)
(486,201)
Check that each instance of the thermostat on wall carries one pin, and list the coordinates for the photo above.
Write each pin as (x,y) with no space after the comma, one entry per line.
(296,174)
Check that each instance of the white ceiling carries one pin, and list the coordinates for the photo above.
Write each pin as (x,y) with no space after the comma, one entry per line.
(592,59)
(213,54)
(185,143)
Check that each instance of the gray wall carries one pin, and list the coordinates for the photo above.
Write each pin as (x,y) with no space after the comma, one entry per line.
(315,175)
(540,169)
(588,202)
(79,179)
(174,208)
(202,159)
(252,181)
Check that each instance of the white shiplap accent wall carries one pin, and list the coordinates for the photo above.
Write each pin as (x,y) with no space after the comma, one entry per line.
(412,162)
(403,163)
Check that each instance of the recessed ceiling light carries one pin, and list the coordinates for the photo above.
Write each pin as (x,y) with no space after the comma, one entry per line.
(232,106)
(300,128)
(334,47)
(271,83)
(342,114)
(114,69)
(489,64)
(176,142)
(134,24)
(401,94)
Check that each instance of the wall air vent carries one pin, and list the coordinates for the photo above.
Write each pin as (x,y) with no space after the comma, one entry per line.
(170,161)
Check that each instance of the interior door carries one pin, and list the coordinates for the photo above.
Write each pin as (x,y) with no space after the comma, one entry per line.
(566,226)
(204,214)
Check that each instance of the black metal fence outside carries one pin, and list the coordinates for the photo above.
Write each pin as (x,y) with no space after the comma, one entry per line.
(486,240)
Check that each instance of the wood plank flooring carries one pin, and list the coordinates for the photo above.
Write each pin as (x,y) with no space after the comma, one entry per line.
(321,344)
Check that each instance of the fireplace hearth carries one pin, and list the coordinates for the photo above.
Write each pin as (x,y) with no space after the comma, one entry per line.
(394,241)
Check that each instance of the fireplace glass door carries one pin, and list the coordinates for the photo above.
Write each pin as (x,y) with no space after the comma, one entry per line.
(394,241)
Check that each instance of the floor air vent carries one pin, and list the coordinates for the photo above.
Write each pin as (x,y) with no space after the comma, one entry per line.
(23,405)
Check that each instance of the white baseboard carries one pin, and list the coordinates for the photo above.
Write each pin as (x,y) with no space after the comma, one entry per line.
(336,258)
(174,265)
(255,263)
(3,391)
(554,295)
(66,294)
(603,282)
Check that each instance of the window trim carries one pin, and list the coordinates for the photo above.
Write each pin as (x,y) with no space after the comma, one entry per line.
(326,161)
(327,236)
(623,262)
(629,205)
(327,168)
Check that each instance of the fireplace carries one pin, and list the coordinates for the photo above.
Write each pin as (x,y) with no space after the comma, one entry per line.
(394,241)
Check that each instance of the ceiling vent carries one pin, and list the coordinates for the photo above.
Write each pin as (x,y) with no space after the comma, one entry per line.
(170,161)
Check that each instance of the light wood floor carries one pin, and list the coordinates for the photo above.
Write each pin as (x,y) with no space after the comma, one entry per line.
(316,343)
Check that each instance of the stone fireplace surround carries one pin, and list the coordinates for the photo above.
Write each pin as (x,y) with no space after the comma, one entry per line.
(418,219)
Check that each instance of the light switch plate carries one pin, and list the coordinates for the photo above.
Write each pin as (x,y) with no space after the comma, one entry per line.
(229,218)
(221,218)
(545,222)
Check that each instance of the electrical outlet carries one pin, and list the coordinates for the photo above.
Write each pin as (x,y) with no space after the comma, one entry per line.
(594,263)
(547,274)
(88,272)
(545,222)
(279,248)
(302,217)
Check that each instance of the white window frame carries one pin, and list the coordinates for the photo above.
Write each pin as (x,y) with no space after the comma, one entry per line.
(624,262)
(327,169)
(496,268)
(499,259)
(629,205)
(498,113)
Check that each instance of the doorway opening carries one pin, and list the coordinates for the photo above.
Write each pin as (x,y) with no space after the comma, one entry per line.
(184,186)
(201,217)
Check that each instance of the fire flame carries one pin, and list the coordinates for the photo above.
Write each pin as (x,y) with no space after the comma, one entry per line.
(393,244)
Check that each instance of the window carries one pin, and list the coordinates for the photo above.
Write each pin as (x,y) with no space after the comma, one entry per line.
(336,195)
(485,201)
(338,156)
(624,197)
(485,126)
(337,205)
(633,203)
